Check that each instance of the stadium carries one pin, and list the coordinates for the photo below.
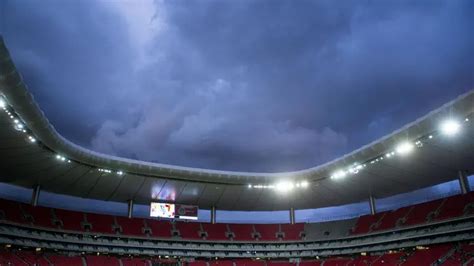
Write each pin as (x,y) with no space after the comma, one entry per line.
(403,199)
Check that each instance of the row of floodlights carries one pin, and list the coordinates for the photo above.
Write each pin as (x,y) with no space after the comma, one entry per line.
(282,186)
(19,126)
(448,128)
(108,171)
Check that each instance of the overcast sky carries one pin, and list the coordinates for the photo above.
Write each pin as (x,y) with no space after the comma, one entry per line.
(238,85)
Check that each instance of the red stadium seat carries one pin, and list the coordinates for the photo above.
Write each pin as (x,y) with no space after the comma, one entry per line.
(188,230)
(215,231)
(101,223)
(132,226)
(267,231)
(71,220)
(11,211)
(292,231)
(242,231)
(160,228)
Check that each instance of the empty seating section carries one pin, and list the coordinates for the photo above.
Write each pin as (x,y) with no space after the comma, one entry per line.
(292,231)
(71,220)
(242,232)
(65,260)
(280,263)
(447,255)
(454,206)
(102,260)
(32,259)
(365,222)
(188,230)
(131,226)
(419,213)
(215,231)
(41,215)
(249,263)
(426,256)
(267,232)
(390,219)
(310,263)
(387,259)
(437,210)
(221,263)
(160,228)
(11,211)
(101,223)
(198,263)
(134,262)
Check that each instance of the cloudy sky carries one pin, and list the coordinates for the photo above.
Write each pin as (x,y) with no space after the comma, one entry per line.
(238,85)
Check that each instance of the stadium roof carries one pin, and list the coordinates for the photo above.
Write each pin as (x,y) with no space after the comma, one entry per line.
(34,153)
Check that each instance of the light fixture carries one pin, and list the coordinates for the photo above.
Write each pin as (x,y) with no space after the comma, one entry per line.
(450,127)
(119,173)
(339,174)
(404,148)
(304,183)
(3,104)
(284,186)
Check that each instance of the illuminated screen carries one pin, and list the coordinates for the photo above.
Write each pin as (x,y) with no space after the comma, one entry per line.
(164,210)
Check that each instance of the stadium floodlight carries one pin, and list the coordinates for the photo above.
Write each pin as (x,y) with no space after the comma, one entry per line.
(304,184)
(404,148)
(249,186)
(284,186)
(450,127)
(3,104)
(338,174)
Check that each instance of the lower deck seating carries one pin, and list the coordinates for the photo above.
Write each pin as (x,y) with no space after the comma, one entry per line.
(102,260)
(463,255)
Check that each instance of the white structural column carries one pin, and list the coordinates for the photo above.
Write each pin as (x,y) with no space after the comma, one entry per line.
(373,210)
(213,215)
(130,208)
(292,215)
(35,195)
(463,182)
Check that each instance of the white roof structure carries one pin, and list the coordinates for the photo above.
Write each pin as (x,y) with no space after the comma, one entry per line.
(34,153)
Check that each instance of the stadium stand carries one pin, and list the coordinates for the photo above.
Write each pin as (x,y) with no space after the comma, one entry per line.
(441,209)
(215,231)
(443,255)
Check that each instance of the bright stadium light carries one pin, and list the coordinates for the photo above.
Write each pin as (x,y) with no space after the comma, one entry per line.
(450,127)
(284,186)
(304,184)
(404,148)
(339,174)
(3,104)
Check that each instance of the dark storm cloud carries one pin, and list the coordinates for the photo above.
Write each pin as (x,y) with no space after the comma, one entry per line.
(240,85)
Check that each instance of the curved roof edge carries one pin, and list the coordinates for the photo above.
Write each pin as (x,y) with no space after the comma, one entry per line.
(18,96)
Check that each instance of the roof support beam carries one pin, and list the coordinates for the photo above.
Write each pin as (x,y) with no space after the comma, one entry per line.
(373,209)
(35,195)
(130,208)
(213,215)
(292,215)
(463,182)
